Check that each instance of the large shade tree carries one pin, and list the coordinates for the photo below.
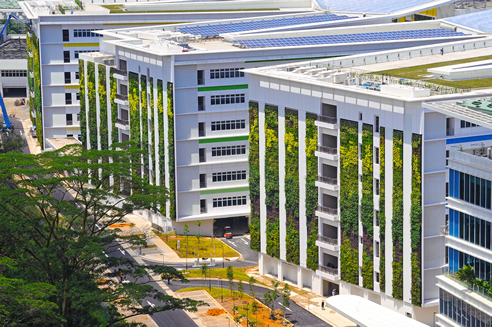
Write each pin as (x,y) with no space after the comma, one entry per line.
(56,209)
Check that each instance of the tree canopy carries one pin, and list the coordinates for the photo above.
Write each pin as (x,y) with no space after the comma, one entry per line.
(58,211)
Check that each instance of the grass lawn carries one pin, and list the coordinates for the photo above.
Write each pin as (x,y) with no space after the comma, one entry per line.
(204,247)
(239,274)
(414,72)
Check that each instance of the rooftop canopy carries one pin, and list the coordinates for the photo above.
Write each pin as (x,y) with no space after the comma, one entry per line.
(373,6)
(481,20)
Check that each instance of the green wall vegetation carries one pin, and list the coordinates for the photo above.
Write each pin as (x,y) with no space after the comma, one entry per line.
(367,207)
(311,191)
(134,106)
(103,107)
(292,185)
(91,96)
(272,180)
(83,116)
(114,106)
(381,215)
(416,219)
(160,131)
(254,176)
(170,125)
(397,220)
(35,105)
(349,201)
(145,124)
(152,131)
(30,80)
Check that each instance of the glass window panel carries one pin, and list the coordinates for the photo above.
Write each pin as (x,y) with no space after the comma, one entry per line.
(467,227)
(472,229)
(451,183)
(467,188)
(477,191)
(482,192)
(477,231)
(462,224)
(487,195)
(487,235)
(462,186)
(451,222)
(482,233)
(472,189)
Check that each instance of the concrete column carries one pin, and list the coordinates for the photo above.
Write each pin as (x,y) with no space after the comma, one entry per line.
(281,179)
(299,277)
(261,124)
(280,270)
(261,269)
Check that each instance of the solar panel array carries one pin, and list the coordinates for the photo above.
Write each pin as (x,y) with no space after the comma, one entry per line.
(481,20)
(369,6)
(211,30)
(348,38)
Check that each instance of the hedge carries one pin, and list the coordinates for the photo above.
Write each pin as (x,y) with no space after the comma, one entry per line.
(311,140)
(91,97)
(153,164)
(367,206)
(254,177)
(114,106)
(382,216)
(416,219)
(170,135)
(83,114)
(103,108)
(144,112)
(292,185)
(272,180)
(160,136)
(349,201)
(397,220)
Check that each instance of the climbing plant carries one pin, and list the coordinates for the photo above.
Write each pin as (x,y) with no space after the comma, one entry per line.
(145,124)
(103,107)
(311,191)
(381,215)
(416,219)
(367,206)
(152,131)
(291,141)
(91,96)
(254,177)
(272,180)
(83,115)
(114,106)
(35,104)
(349,201)
(30,76)
(170,136)
(134,106)
(160,136)
(397,220)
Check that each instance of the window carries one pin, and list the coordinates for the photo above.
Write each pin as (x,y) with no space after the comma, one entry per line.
(201,103)
(68,98)
(228,125)
(227,99)
(232,150)
(86,33)
(69,119)
(377,249)
(466,124)
(76,75)
(376,188)
(469,188)
(68,78)
(229,176)
(66,36)
(226,73)
(77,96)
(376,155)
(76,52)
(377,277)
(360,115)
(201,129)
(376,124)
(203,206)
(376,217)
(201,153)
(470,229)
(14,73)
(200,79)
(229,201)
(66,56)
(203,180)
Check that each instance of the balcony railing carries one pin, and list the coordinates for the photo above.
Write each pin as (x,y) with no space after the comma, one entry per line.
(121,97)
(201,107)
(327,149)
(203,209)
(484,292)
(201,133)
(120,71)
(444,229)
(203,184)
(326,239)
(331,271)
(202,159)
(200,81)
(327,180)
(123,122)
(449,131)
(328,210)
(327,119)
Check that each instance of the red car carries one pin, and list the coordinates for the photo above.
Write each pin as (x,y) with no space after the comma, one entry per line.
(227,232)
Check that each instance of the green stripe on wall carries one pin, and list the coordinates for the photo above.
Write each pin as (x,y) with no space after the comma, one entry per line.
(74,45)
(223,88)
(290,59)
(224,139)
(226,190)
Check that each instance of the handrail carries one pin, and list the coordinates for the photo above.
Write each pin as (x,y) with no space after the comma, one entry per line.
(327,119)
(121,97)
(327,180)
(120,71)
(472,287)
(328,210)
(124,122)
(331,271)
(327,149)
(326,239)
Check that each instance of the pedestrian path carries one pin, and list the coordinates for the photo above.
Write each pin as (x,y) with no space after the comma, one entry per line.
(222,320)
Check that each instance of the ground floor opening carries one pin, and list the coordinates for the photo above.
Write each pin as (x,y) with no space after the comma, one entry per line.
(237,225)
(14,92)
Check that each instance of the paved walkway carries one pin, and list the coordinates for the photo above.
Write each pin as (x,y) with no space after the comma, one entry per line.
(211,321)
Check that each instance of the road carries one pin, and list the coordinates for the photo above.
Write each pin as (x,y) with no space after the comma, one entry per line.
(299,317)
(241,244)
(176,318)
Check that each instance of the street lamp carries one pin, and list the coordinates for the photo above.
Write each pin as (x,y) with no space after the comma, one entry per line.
(163,259)
(223,256)
(186,257)
(247,310)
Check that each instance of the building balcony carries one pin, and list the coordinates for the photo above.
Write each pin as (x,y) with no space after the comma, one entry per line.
(326,182)
(121,99)
(327,152)
(332,274)
(327,213)
(449,131)
(328,243)
(123,124)
(326,122)
(472,289)
(120,74)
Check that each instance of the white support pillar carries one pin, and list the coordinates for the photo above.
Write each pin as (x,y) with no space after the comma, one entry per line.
(280,275)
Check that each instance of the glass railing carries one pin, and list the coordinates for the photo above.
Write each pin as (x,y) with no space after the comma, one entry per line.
(123,122)
(326,239)
(121,97)
(327,119)
(328,270)
(328,210)
(482,291)
(327,180)
(327,149)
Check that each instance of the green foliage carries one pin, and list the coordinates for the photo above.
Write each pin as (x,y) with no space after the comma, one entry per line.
(311,191)
(152,131)
(349,261)
(35,104)
(160,131)
(145,124)
(367,269)
(397,279)
(273,238)
(397,220)
(103,108)
(114,106)
(286,297)
(292,185)
(254,176)
(83,113)
(466,274)
(416,218)
(79,4)
(382,216)
(12,142)
(367,201)
(170,135)
(91,96)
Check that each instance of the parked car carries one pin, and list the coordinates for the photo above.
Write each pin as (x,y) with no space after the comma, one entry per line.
(227,232)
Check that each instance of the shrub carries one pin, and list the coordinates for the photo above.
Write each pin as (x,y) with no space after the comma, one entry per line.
(291,140)
(254,176)
(311,191)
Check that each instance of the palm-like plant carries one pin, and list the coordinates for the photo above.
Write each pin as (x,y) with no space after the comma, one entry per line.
(466,274)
